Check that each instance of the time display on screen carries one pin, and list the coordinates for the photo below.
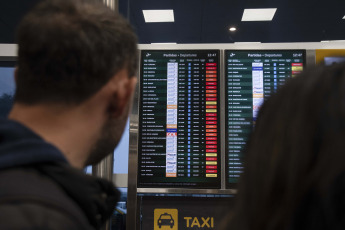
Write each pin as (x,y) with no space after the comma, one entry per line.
(179,119)
(251,77)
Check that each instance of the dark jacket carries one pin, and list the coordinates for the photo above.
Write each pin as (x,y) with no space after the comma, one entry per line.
(40,190)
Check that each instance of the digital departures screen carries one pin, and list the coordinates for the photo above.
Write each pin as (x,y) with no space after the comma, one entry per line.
(251,77)
(179,119)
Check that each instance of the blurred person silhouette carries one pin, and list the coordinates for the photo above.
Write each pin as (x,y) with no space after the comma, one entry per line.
(294,167)
(75,81)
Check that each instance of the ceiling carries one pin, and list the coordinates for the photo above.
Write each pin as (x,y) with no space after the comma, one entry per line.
(11,12)
(208,21)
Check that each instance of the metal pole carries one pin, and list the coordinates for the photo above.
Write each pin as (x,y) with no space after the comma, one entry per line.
(112,4)
(105,168)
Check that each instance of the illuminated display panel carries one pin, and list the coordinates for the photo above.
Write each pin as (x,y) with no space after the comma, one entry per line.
(329,56)
(251,77)
(179,119)
(7,87)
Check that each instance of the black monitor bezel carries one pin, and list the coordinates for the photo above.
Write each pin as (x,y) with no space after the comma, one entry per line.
(141,185)
(235,185)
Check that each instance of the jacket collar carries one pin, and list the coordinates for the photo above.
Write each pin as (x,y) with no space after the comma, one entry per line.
(19,146)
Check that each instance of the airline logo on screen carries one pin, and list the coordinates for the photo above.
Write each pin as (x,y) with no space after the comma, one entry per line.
(168,219)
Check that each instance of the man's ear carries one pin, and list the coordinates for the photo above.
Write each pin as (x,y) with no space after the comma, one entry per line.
(123,96)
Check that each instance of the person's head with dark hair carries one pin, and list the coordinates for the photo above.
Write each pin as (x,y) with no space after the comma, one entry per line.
(75,78)
(294,160)
(68,50)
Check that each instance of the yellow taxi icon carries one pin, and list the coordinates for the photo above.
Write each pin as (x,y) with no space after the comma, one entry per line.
(165,219)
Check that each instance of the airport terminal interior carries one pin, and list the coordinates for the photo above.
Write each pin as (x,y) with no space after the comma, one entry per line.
(205,69)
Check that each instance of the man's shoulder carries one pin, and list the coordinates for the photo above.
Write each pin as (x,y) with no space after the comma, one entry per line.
(29,198)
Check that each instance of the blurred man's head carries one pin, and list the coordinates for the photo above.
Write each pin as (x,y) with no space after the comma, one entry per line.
(68,51)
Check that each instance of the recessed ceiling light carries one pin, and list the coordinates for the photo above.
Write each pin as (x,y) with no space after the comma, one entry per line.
(258,14)
(232,29)
(344,17)
(158,15)
(164,43)
(247,42)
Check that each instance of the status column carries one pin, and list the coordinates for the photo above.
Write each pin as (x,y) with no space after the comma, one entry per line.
(211,120)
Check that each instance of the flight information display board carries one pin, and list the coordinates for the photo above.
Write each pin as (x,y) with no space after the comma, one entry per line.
(251,77)
(179,119)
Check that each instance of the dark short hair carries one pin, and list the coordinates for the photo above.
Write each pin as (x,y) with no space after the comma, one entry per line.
(69,49)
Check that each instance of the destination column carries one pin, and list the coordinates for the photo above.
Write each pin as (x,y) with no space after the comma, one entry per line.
(240,109)
(153,121)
